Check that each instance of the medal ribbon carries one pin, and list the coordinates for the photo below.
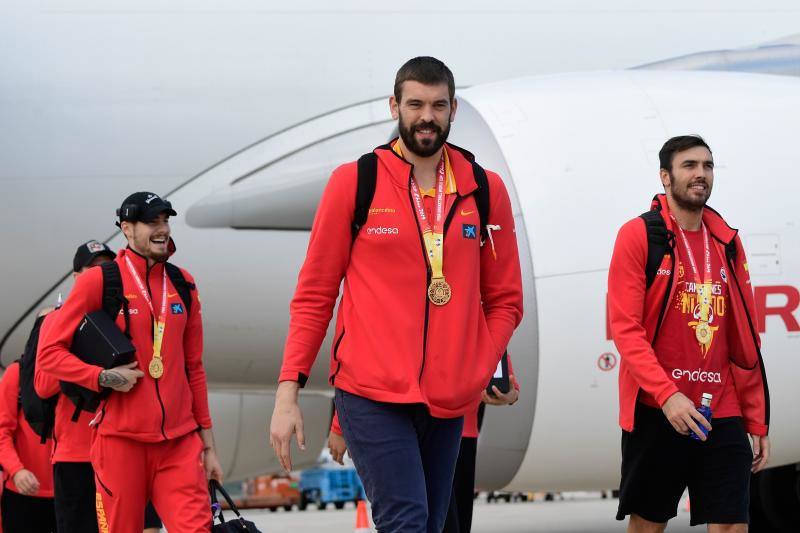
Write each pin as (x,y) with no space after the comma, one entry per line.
(703,290)
(433,236)
(160,322)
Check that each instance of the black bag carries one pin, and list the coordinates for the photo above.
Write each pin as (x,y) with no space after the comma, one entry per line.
(236,526)
(103,331)
(39,412)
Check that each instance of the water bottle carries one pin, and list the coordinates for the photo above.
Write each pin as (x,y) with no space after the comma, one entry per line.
(705,410)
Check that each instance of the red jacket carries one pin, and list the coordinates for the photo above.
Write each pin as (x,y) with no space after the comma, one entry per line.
(154,410)
(391,344)
(636,312)
(71,440)
(20,446)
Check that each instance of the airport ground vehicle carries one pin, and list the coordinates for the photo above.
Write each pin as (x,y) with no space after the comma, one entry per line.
(323,485)
(270,492)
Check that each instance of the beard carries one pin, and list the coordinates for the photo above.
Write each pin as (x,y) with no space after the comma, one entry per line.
(427,147)
(684,200)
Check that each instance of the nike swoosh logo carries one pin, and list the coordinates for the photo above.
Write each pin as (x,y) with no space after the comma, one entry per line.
(172,294)
(466,213)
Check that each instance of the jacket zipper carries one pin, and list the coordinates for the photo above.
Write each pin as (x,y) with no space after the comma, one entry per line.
(335,353)
(152,333)
(429,272)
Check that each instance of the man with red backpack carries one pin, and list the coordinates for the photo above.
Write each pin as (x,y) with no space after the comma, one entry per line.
(153,436)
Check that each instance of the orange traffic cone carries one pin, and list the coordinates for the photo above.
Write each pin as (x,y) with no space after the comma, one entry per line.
(362,522)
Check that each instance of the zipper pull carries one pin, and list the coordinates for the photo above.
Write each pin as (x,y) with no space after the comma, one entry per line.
(489,229)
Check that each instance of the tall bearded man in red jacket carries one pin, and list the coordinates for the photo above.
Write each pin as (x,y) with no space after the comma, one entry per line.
(683,321)
(427,310)
(153,436)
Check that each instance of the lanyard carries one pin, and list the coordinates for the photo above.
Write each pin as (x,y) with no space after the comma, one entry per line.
(159,324)
(433,236)
(703,290)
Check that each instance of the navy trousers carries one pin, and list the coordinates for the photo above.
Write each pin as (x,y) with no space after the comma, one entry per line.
(405,459)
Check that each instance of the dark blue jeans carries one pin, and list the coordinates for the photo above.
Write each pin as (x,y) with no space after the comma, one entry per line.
(405,458)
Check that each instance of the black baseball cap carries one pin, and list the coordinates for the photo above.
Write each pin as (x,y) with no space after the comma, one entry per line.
(143,207)
(86,253)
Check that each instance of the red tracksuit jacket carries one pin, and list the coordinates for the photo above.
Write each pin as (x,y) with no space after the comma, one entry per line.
(635,314)
(20,446)
(391,344)
(154,410)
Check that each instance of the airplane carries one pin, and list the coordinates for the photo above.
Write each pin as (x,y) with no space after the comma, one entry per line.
(237,113)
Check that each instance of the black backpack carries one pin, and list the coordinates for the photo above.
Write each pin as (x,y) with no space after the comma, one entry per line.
(39,412)
(368,177)
(113,301)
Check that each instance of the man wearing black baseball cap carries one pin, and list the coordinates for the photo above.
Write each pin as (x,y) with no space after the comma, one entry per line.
(153,436)
(88,252)
(73,476)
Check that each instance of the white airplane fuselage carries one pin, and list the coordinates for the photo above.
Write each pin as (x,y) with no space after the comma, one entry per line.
(578,153)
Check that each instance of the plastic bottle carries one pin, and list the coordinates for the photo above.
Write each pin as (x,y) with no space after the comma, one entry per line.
(705,410)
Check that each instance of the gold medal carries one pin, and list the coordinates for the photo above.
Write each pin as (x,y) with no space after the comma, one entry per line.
(439,291)
(156,367)
(703,333)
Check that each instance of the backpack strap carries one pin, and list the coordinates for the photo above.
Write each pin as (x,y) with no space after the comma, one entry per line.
(113,296)
(365,190)
(482,198)
(660,241)
(183,287)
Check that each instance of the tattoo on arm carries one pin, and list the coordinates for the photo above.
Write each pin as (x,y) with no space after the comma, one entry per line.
(111,379)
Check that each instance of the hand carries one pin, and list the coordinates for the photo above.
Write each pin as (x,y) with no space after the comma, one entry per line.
(211,465)
(509,398)
(120,378)
(761,448)
(681,413)
(337,446)
(26,482)
(287,419)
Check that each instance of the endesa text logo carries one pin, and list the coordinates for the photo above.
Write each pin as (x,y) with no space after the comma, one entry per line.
(383,230)
(697,375)
(778,301)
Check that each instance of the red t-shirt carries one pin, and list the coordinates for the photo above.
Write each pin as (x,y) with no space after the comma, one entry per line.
(694,368)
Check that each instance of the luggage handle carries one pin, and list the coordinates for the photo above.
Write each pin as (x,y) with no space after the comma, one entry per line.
(213,487)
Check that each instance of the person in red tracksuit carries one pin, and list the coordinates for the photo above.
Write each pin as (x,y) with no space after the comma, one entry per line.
(73,476)
(153,436)
(27,501)
(689,333)
(426,312)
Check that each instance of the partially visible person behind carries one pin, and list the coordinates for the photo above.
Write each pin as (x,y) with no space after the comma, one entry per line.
(683,325)
(27,501)
(459,514)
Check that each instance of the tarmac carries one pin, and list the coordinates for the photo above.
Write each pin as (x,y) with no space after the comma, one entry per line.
(580,513)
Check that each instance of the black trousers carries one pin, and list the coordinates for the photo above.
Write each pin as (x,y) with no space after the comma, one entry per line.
(27,514)
(75,500)
(459,514)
